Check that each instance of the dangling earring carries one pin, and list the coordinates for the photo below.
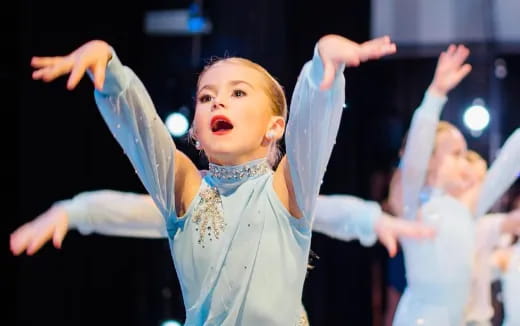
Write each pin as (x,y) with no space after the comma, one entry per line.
(197,145)
(270,135)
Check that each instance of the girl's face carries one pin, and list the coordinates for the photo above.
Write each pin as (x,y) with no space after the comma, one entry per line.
(448,165)
(233,114)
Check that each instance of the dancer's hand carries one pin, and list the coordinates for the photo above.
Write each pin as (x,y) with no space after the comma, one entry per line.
(501,258)
(335,50)
(390,229)
(93,56)
(450,69)
(30,237)
(511,223)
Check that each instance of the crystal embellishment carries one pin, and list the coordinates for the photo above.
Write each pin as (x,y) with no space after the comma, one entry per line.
(209,216)
(239,172)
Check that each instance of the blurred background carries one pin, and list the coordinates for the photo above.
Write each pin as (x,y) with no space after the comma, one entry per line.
(60,145)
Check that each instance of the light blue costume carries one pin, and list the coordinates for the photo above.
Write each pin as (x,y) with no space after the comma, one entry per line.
(511,289)
(240,256)
(128,214)
(439,271)
(503,172)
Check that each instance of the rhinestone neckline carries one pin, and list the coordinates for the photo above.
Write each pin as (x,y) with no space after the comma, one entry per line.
(237,172)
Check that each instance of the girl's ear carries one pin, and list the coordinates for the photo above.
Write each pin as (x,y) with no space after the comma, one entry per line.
(275,130)
(276,127)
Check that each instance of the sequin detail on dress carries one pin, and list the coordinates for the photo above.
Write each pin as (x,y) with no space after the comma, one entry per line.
(231,172)
(209,216)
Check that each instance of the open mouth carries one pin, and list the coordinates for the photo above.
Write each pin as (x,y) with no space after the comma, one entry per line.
(221,125)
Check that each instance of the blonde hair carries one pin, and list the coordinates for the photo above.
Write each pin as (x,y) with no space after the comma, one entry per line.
(441,127)
(445,126)
(473,157)
(274,92)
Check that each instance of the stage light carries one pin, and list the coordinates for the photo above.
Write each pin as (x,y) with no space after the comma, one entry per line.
(177,124)
(476,117)
(171,322)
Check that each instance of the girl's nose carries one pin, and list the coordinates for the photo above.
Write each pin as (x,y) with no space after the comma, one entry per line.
(218,103)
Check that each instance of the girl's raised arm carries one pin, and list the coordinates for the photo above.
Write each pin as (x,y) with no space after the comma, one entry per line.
(314,119)
(168,175)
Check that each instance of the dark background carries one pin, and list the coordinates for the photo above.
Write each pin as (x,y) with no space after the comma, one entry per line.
(57,145)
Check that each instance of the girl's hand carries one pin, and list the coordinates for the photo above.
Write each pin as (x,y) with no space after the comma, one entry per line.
(93,56)
(450,69)
(336,50)
(511,223)
(30,237)
(390,229)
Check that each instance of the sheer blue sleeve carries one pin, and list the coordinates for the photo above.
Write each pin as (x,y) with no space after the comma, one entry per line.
(347,218)
(501,175)
(130,114)
(115,213)
(419,146)
(314,119)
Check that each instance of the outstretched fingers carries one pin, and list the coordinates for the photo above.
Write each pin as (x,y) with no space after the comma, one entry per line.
(389,241)
(19,239)
(413,229)
(41,62)
(39,239)
(377,48)
(77,73)
(99,74)
(329,69)
(59,234)
(48,70)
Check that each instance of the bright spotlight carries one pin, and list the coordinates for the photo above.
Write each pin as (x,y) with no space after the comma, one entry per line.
(476,117)
(171,323)
(177,124)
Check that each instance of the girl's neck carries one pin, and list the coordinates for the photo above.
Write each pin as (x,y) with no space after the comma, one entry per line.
(236,160)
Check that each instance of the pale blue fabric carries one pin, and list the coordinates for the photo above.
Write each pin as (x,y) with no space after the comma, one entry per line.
(115,213)
(346,218)
(511,289)
(254,273)
(502,173)
(438,271)
(418,150)
(118,213)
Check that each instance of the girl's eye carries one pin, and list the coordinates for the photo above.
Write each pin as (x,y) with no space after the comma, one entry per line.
(204,98)
(239,93)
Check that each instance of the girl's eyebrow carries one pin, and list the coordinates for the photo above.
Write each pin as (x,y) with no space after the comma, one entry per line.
(236,82)
(213,88)
(208,86)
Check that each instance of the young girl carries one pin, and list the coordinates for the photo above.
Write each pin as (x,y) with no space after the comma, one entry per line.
(433,163)
(240,234)
(117,213)
(429,297)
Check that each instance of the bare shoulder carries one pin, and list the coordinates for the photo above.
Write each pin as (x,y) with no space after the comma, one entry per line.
(283,187)
(187,182)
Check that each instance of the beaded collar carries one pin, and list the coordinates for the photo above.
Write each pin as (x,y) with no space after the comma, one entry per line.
(239,172)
